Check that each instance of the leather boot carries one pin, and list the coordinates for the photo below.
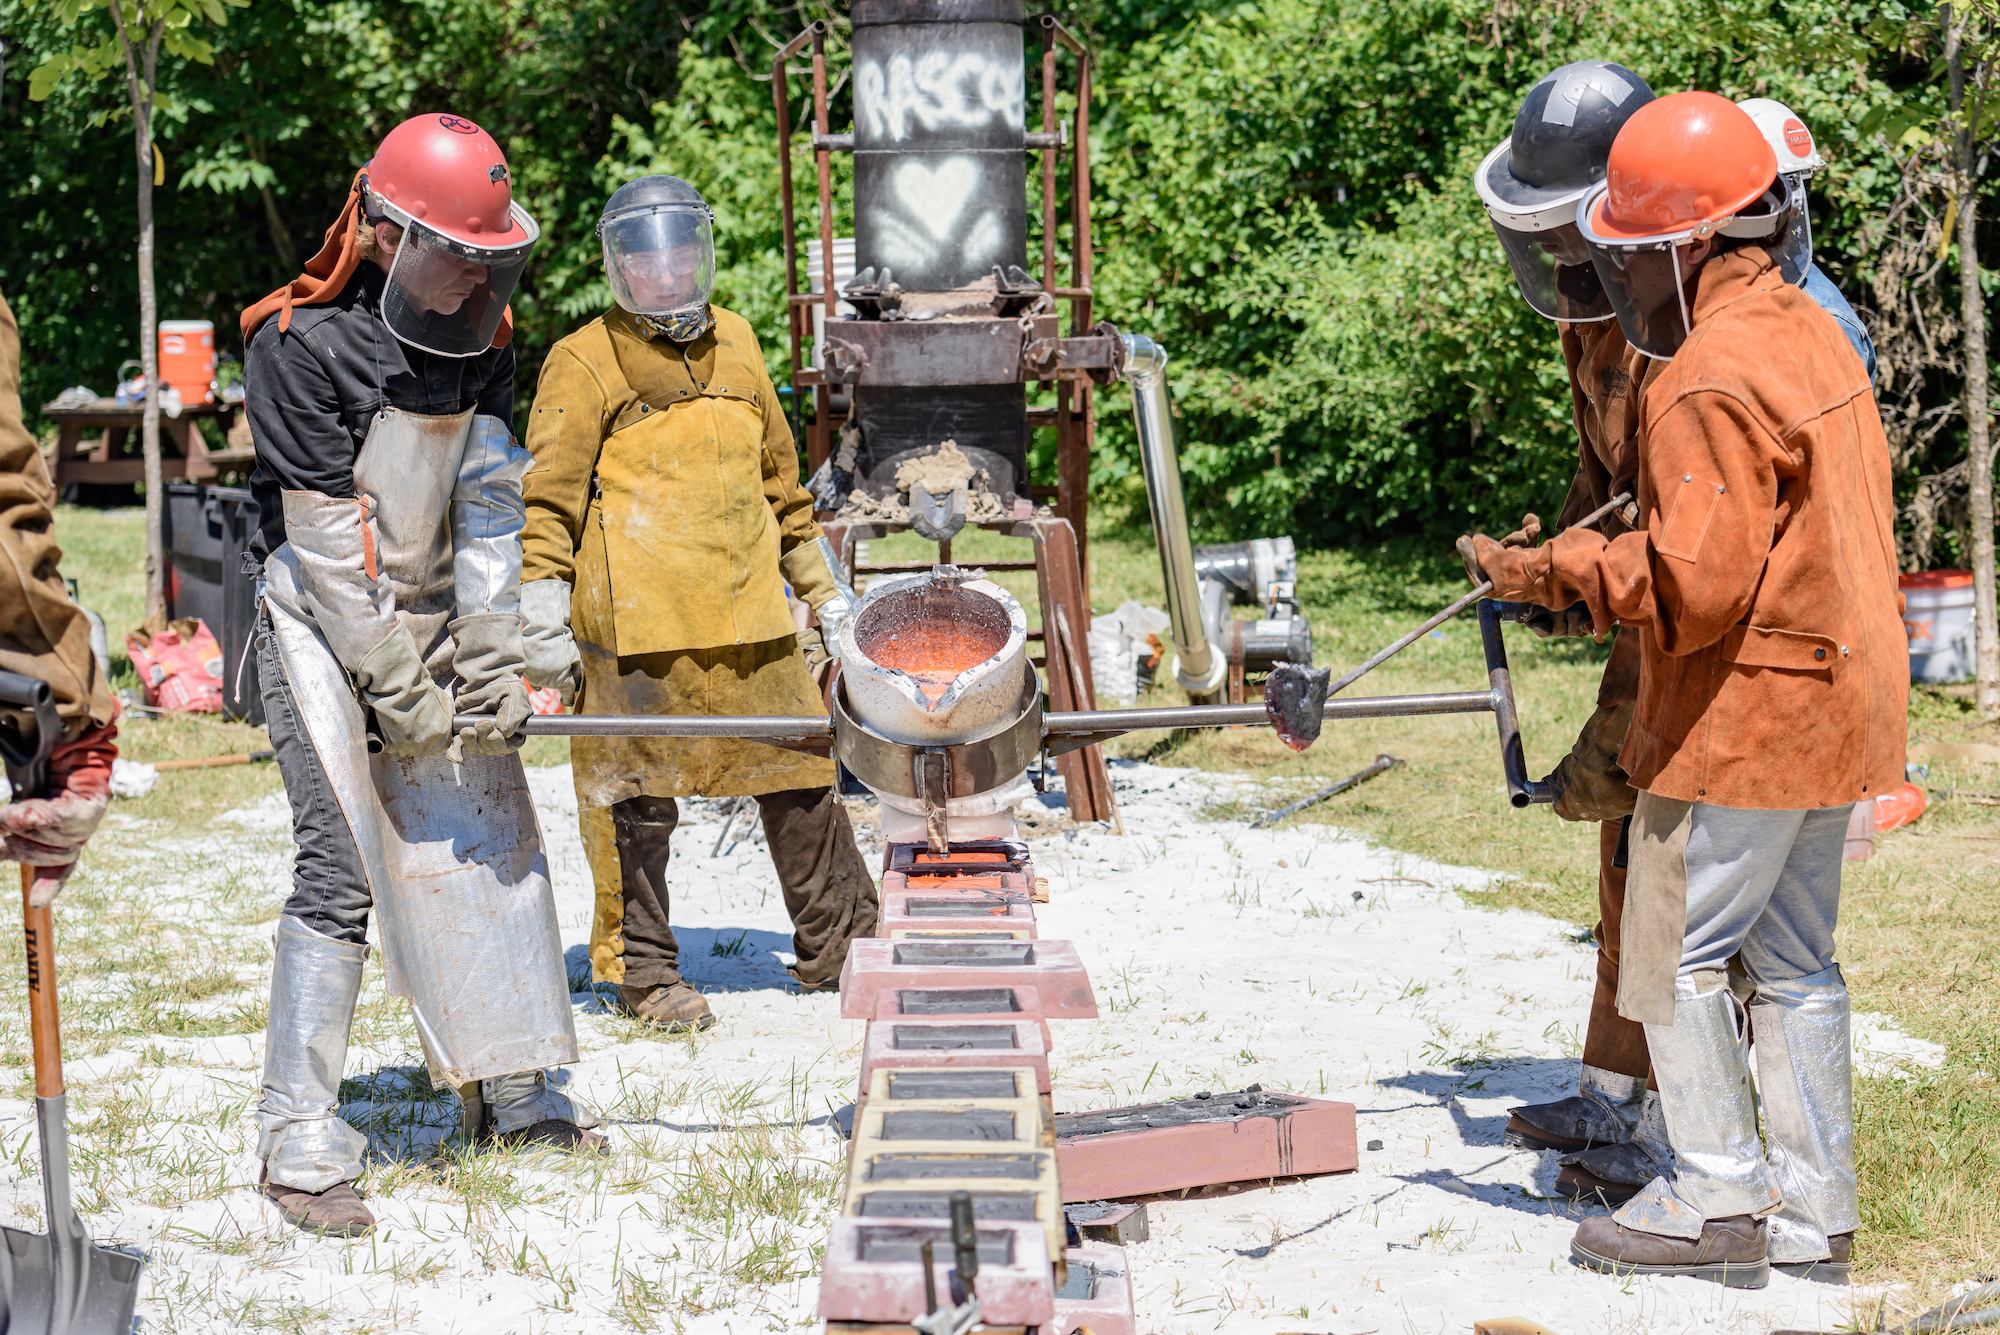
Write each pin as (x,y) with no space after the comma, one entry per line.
(336,1212)
(1833,1270)
(1729,1251)
(674,1008)
(525,1109)
(1603,1111)
(1613,1174)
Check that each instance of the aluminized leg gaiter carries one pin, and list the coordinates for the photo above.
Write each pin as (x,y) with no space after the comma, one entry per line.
(1804,1073)
(314,985)
(1704,1070)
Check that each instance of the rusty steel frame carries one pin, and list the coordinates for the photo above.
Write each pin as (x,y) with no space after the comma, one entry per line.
(1061,558)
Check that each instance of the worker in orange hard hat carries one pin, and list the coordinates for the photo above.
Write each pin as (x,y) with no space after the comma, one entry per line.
(380,389)
(1761,579)
(1530,186)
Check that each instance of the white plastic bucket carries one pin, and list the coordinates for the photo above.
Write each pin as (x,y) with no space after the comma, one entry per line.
(1937,616)
(843,269)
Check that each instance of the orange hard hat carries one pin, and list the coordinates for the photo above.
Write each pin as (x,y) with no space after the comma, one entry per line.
(1682,161)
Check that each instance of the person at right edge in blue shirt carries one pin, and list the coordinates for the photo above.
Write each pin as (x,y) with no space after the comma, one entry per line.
(1798,159)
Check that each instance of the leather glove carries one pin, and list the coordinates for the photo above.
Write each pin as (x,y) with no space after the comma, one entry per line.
(49,832)
(1589,784)
(487,655)
(412,712)
(547,645)
(1527,535)
(1572,623)
(1473,549)
(819,660)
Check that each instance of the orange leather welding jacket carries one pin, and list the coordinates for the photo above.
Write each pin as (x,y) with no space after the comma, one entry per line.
(1774,669)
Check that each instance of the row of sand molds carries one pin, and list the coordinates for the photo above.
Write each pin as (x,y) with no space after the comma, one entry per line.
(958,991)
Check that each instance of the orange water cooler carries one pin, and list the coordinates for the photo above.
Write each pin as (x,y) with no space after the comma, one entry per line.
(187,359)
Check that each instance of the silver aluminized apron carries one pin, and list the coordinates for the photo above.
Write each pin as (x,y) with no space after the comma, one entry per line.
(453,853)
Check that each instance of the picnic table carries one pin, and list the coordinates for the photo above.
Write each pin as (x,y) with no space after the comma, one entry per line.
(106,458)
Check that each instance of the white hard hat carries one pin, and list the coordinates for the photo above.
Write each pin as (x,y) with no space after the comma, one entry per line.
(1787,135)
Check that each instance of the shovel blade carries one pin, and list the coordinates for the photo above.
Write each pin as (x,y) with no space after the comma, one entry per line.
(101,1304)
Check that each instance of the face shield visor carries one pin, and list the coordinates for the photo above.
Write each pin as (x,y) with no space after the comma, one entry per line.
(660,259)
(1546,252)
(1646,277)
(1792,249)
(446,296)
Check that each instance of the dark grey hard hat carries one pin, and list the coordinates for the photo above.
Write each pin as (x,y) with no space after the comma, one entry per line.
(651,192)
(1563,133)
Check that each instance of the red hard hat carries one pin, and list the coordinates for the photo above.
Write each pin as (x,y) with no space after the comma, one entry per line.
(448,174)
(1682,161)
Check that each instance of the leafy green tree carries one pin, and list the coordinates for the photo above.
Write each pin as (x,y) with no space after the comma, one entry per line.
(139,29)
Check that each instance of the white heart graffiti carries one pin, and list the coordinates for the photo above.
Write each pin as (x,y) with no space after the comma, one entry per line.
(935,196)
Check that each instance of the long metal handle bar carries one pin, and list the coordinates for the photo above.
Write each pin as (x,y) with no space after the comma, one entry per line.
(1091,723)
(1485,587)
(1521,790)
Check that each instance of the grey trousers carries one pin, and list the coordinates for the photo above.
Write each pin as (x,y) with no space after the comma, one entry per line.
(329,885)
(1766,884)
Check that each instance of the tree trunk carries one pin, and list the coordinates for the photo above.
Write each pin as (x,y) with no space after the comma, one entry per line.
(140,69)
(1978,430)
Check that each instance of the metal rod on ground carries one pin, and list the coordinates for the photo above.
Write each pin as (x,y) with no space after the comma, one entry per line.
(1485,588)
(735,810)
(210,762)
(1383,763)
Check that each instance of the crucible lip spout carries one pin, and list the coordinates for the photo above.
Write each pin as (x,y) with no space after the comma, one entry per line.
(934,659)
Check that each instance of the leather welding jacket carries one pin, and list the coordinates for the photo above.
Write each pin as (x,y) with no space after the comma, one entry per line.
(683,456)
(1774,669)
(312,392)
(1607,378)
(42,633)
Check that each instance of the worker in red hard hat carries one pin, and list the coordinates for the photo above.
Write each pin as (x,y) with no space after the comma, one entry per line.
(1530,186)
(380,388)
(1773,677)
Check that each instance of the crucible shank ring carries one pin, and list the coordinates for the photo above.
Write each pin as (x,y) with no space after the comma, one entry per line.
(972,766)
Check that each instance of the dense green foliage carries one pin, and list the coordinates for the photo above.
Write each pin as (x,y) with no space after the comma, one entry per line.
(1282,198)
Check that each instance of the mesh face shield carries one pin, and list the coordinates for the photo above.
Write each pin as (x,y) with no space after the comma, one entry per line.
(447,297)
(660,259)
(1646,277)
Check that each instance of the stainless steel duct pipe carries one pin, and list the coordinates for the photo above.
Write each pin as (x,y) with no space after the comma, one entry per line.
(1198,667)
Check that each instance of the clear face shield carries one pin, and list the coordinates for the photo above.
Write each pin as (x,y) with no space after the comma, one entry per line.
(1647,278)
(660,260)
(1553,270)
(448,297)
(1793,248)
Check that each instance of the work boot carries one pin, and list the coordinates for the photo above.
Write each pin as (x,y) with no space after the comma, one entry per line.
(826,985)
(1729,1251)
(1603,1111)
(525,1109)
(1613,1174)
(675,1008)
(336,1212)
(1835,1269)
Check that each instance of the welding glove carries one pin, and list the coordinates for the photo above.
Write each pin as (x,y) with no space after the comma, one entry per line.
(819,662)
(1527,535)
(412,712)
(487,655)
(548,647)
(49,832)
(1589,783)
(1572,623)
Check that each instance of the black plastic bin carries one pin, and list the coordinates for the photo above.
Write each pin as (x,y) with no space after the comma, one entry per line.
(207,530)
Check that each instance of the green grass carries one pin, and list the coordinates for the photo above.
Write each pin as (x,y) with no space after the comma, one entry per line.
(1920,936)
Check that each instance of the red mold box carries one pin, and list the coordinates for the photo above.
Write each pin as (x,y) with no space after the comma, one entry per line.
(1097,1293)
(907,1043)
(1249,1135)
(875,966)
(874,1271)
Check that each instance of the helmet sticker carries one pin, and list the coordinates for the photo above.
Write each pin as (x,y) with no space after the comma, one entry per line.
(1575,81)
(1798,138)
(497,172)
(458,125)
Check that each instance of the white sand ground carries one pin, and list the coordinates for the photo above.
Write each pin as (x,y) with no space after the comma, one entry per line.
(1296,958)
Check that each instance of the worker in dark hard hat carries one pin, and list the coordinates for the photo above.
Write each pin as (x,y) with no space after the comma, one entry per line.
(1774,676)
(380,388)
(665,522)
(1530,186)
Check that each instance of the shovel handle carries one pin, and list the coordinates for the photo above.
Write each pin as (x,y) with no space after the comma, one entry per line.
(41,931)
